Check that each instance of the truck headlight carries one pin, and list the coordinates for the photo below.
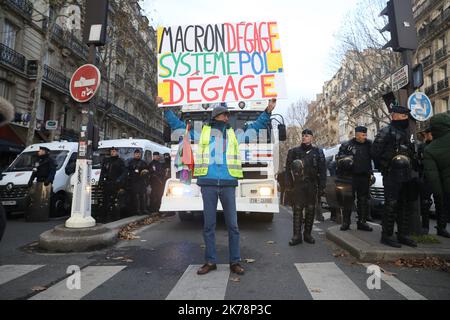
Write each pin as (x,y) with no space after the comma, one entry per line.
(265,191)
(176,191)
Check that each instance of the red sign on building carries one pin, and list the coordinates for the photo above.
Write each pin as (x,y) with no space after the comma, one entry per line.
(85,83)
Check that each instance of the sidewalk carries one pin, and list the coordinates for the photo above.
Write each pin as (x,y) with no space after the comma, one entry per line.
(366,246)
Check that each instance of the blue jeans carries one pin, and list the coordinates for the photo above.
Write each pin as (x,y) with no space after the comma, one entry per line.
(227,196)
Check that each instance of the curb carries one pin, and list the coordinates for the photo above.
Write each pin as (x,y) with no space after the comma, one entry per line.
(64,240)
(367,252)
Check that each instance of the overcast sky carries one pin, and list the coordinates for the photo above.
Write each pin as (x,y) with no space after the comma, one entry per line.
(307,29)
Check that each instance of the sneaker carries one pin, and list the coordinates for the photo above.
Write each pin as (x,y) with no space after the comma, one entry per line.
(236,268)
(206,268)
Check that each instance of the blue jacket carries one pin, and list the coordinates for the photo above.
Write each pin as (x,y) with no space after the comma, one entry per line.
(218,174)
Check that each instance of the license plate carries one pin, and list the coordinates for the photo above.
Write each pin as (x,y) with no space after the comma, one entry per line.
(260,200)
(9,203)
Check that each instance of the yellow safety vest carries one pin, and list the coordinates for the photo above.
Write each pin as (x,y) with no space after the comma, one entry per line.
(234,163)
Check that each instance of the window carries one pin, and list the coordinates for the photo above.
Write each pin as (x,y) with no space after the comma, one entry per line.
(5,90)
(9,35)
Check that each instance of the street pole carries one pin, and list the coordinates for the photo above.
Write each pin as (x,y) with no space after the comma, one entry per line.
(81,202)
(404,94)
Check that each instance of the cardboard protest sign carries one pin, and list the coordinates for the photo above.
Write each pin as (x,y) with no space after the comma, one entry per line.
(214,63)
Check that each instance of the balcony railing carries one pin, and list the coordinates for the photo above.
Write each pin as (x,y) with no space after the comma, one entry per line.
(430,90)
(24,7)
(12,58)
(441,53)
(427,61)
(129,119)
(119,81)
(442,85)
(52,78)
(435,25)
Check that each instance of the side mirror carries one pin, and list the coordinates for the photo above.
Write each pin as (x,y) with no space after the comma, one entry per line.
(282,133)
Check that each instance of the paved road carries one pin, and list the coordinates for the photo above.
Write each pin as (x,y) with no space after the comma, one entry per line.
(161,264)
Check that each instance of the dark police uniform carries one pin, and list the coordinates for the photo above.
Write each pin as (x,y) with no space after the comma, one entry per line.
(354,161)
(394,154)
(137,185)
(111,180)
(425,191)
(157,174)
(306,174)
(40,193)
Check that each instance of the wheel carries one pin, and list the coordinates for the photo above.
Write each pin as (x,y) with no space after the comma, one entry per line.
(58,205)
(264,217)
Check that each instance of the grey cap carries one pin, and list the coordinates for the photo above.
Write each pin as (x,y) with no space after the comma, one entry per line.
(218,111)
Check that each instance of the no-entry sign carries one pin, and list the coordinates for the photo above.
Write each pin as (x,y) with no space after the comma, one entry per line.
(85,83)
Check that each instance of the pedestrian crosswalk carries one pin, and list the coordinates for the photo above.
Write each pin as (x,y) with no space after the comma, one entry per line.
(324,281)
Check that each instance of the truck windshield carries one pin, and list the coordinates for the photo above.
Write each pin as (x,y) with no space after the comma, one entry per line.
(27,160)
(237,120)
(124,153)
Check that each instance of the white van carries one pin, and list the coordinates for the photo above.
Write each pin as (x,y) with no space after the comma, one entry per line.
(14,180)
(126,149)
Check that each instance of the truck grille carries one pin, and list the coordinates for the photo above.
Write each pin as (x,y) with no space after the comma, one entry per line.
(15,193)
(377,193)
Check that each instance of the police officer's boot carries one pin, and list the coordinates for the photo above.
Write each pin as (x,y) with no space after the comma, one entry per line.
(403,228)
(309,222)
(363,210)
(388,223)
(441,222)
(297,222)
(346,219)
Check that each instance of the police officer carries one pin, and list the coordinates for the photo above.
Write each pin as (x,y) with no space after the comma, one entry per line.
(157,174)
(137,172)
(394,154)
(111,180)
(425,188)
(167,166)
(44,172)
(355,161)
(44,169)
(306,175)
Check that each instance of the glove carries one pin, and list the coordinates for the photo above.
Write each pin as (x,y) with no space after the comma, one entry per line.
(46,183)
(30,183)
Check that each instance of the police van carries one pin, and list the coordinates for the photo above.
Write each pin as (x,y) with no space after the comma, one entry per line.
(126,148)
(257,192)
(14,190)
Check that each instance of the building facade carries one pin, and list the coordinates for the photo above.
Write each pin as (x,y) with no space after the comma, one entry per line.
(124,105)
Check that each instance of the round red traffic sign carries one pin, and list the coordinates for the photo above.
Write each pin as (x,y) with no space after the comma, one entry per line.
(85,83)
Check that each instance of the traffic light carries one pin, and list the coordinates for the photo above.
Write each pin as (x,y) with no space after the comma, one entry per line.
(401,25)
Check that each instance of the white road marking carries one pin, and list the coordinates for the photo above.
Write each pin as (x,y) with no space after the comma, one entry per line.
(325,281)
(211,286)
(11,272)
(91,278)
(399,286)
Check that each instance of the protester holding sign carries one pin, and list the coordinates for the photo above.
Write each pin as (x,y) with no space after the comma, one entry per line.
(217,169)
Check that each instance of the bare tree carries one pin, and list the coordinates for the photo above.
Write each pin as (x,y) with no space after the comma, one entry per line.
(359,52)
(52,11)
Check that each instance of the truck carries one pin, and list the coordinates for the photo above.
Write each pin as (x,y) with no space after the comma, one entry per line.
(257,192)
(126,149)
(14,190)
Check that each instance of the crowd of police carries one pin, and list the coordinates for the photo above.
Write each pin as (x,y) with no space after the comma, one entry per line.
(411,173)
(125,185)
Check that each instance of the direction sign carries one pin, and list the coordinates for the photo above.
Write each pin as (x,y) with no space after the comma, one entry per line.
(85,83)
(400,78)
(420,106)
